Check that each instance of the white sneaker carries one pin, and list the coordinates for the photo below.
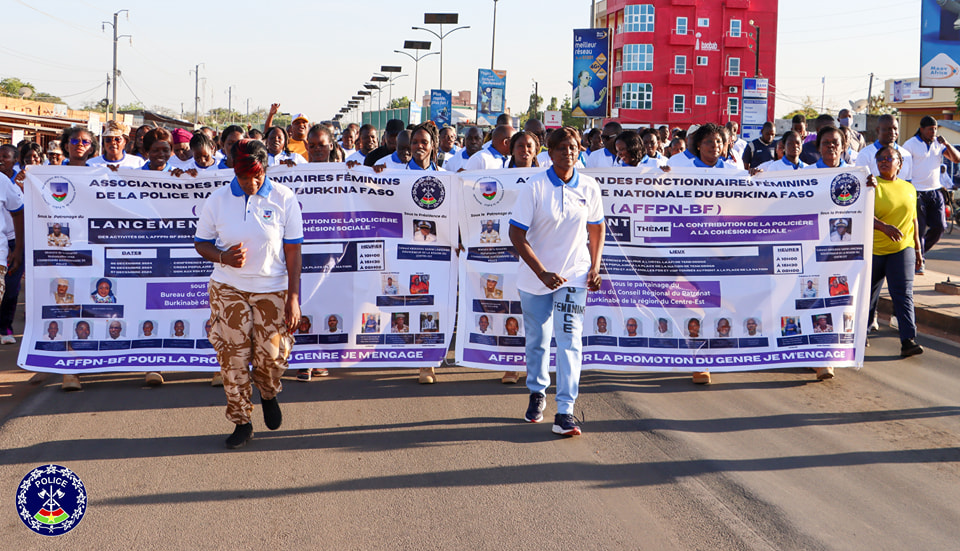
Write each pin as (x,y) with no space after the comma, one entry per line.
(8,339)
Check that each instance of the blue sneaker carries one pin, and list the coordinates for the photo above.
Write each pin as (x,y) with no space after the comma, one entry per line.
(565,424)
(535,409)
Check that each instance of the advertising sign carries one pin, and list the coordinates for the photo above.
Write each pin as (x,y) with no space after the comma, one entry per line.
(591,69)
(441,107)
(491,91)
(754,108)
(940,44)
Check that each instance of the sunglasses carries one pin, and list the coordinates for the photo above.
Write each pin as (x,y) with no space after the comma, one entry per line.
(603,137)
(113,139)
(77,141)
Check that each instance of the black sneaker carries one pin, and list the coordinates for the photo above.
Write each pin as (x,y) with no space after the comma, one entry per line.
(272,416)
(565,424)
(909,348)
(535,409)
(241,435)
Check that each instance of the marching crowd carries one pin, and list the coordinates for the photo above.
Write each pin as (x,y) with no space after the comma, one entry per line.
(254,290)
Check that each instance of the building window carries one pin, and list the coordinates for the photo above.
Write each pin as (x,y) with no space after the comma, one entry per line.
(638,57)
(733,66)
(733,106)
(735,28)
(703,22)
(636,96)
(638,18)
(681,25)
(680,64)
(679,103)
(616,98)
(702,60)
(700,100)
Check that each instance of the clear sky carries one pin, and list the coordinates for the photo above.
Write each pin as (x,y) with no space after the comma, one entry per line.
(311,56)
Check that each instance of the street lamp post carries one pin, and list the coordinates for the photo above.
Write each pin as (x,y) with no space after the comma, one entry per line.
(415,45)
(493,43)
(373,87)
(756,69)
(377,77)
(116,73)
(440,19)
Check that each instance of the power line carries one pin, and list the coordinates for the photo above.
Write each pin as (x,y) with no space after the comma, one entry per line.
(140,101)
(64,21)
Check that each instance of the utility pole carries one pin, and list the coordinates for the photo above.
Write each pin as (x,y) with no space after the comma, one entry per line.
(230,102)
(116,37)
(196,94)
(823,89)
(869,92)
(493,44)
(106,96)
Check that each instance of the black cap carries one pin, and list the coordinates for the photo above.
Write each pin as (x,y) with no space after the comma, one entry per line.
(395,126)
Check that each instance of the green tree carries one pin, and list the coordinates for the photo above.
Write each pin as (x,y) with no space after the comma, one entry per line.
(806,109)
(399,103)
(11,87)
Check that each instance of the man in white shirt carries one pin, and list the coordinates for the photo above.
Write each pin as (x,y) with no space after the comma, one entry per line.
(399,159)
(888,130)
(472,143)
(496,153)
(685,158)
(739,144)
(928,150)
(368,142)
(114,142)
(348,139)
(606,157)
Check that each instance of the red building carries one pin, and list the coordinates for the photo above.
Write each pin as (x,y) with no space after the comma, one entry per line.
(679,62)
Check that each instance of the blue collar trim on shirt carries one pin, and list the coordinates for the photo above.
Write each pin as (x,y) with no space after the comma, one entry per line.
(689,155)
(799,164)
(821,164)
(557,182)
(698,163)
(264,190)
(607,152)
(395,158)
(465,155)
(223,163)
(146,166)
(496,154)
(880,146)
(412,165)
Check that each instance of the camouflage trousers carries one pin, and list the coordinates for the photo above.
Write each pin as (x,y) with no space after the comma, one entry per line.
(248,329)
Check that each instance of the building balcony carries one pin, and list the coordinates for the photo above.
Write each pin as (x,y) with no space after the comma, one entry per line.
(738,41)
(733,78)
(684,78)
(738,4)
(682,39)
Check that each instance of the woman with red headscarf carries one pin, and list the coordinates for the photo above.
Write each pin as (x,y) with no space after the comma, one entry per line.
(255,286)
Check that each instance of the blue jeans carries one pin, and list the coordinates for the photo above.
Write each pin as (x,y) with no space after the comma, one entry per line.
(898,270)
(559,314)
(931,217)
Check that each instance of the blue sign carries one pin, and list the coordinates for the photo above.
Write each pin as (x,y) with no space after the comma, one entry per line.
(441,107)
(939,44)
(754,113)
(591,71)
(491,90)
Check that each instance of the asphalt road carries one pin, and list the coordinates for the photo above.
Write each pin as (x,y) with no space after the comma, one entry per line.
(371,460)
(945,256)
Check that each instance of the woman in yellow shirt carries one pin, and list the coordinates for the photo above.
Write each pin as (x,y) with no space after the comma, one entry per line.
(896,246)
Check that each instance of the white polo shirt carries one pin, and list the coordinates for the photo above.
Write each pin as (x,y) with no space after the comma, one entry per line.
(555,216)
(926,161)
(868,158)
(659,161)
(357,156)
(392,161)
(544,160)
(263,222)
(192,164)
(602,158)
(11,199)
(487,158)
(781,165)
(274,160)
(127,161)
(682,160)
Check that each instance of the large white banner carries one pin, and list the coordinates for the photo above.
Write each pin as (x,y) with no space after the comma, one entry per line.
(703,269)
(114,282)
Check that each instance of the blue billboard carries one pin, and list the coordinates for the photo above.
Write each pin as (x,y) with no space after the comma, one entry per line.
(940,44)
(491,90)
(441,107)
(591,71)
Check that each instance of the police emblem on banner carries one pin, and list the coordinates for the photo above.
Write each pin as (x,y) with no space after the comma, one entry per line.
(58,192)
(51,500)
(428,192)
(845,190)
(488,191)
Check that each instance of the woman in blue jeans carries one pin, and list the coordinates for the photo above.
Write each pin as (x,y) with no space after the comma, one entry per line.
(558,230)
(896,246)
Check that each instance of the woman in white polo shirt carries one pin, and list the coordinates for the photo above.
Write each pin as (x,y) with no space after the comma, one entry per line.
(252,230)
(557,227)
